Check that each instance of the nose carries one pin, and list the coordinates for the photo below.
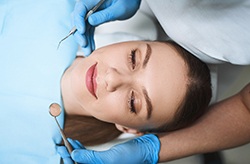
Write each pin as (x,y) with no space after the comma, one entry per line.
(115,79)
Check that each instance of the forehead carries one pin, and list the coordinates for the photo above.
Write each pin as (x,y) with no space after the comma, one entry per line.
(167,81)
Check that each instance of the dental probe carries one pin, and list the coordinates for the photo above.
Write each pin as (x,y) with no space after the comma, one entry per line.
(55,110)
(73,30)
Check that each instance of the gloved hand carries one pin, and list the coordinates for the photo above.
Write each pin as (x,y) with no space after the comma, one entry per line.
(143,149)
(110,10)
(62,150)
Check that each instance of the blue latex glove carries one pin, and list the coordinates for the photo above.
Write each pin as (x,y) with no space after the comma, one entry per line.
(62,150)
(110,10)
(143,149)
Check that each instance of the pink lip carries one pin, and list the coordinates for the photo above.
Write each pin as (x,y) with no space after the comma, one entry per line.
(91,79)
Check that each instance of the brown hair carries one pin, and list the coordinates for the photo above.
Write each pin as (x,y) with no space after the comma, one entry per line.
(90,131)
(198,94)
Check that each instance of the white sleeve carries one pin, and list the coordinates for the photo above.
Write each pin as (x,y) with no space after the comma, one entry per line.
(214,31)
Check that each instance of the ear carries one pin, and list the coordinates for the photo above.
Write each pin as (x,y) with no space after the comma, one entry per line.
(125,129)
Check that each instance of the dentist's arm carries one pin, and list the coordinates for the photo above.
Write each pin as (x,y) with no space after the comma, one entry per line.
(227,125)
(110,10)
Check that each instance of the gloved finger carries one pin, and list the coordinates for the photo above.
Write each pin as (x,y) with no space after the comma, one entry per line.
(68,161)
(118,10)
(85,156)
(75,144)
(87,50)
(78,16)
(80,39)
(62,151)
(90,39)
(105,15)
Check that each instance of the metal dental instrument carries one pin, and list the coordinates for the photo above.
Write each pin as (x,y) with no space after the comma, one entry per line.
(55,110)
(73,30)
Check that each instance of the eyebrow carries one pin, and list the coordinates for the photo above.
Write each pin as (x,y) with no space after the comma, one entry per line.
(148,102)
(147,56)
(145,93)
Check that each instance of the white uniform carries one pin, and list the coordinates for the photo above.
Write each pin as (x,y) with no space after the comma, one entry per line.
(215,31)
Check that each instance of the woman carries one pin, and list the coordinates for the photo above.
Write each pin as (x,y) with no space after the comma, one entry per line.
(139,86)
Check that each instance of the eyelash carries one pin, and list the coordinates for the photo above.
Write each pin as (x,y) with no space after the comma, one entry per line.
(131,103)
(132,58)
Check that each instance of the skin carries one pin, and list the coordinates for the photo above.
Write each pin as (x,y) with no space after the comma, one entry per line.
(164,78)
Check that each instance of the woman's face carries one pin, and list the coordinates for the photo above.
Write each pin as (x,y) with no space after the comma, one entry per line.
(135,84)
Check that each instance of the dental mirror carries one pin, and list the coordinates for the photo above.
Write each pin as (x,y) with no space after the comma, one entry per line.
(55,110)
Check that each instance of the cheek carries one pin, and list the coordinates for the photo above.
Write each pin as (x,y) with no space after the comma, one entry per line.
(109,108)
(77,84)
(111,57)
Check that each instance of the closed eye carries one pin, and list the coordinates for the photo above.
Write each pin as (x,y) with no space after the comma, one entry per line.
(132,58)
(131,103)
